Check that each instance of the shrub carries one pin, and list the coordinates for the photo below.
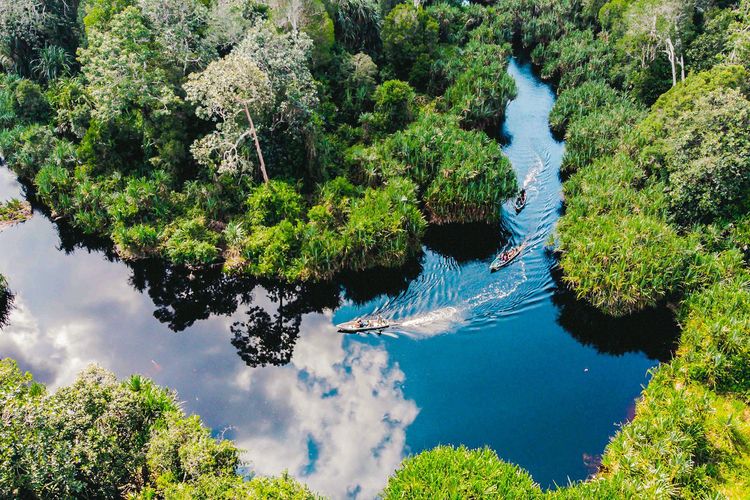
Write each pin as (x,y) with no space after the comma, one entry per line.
(384,226)
(576,102)
(408,34)
(613,184)
(87,439)
(447,472)
(481,92)
(31,105)
(135,241)
(715,343)
(28,149)
(272,203)
(574,59)
(394,108)
(682,98)
(622,263)
(190,241)
(463,176)
(597,134)
(707,158)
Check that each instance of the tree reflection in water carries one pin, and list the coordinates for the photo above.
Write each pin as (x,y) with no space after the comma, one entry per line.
(6,304)
(183,296)
(264,339)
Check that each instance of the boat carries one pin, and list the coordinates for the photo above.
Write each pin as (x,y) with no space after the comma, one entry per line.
(520,201)
(363,325)
(510,255)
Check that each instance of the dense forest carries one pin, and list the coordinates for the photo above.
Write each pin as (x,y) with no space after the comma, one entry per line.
(298,139)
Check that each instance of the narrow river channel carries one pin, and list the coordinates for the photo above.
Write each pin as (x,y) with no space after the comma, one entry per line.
(506,360)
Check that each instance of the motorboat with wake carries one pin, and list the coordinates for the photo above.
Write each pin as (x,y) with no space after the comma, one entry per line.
(363,325)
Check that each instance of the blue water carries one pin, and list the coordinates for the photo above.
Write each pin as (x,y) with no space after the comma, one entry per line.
(507,360)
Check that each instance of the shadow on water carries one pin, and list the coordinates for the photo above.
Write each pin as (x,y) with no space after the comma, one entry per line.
(654,332)
(465,242)
(364,286)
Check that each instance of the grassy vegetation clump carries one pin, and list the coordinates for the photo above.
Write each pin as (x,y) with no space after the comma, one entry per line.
(597,134)
(623,263)
(576,102)
(447,472)
(480,93)
(462,176)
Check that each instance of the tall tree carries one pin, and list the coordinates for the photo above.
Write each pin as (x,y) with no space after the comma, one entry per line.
(230,91)
(660,27)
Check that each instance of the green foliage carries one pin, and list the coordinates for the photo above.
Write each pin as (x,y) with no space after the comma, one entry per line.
(481,92)
(357,24)
(576,102)
(190,241)
(463,176)
(613,185)
(27,149)
(410,37)
(577,57)
(87,439)
(104,438)
(394,108)
(597,134)
(30,103)
(681,442)
(124,68)
(707,159)
(682,98)
(271,203)
(447,472)
(622,263)
(715,343)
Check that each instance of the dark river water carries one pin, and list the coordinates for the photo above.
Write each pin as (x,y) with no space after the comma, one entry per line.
(506,360)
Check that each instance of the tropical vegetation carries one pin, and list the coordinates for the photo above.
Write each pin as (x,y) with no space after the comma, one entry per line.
(296,140)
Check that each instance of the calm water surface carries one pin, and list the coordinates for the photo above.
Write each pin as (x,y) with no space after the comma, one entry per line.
(506,360)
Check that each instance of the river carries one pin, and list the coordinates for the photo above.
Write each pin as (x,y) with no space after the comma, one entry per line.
(507,360)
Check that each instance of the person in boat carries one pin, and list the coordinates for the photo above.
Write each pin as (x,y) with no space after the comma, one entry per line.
(522,196)
(360,323)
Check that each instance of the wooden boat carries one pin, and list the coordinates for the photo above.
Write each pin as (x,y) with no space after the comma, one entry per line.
(511,254)
(520,201)
(363,325)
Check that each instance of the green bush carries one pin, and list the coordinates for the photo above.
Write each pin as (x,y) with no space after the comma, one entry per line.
(31,105)
(682,98)
(463,176)
(715,343)
(578,57)
(272,203)
(613,184)
(622,263)
(104,438)
(447,472)
(707,157)
(190,241)
(409,33)
(394,108)
(597,134)
(28,148)
(576,102)
(86,440)
(480,94)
